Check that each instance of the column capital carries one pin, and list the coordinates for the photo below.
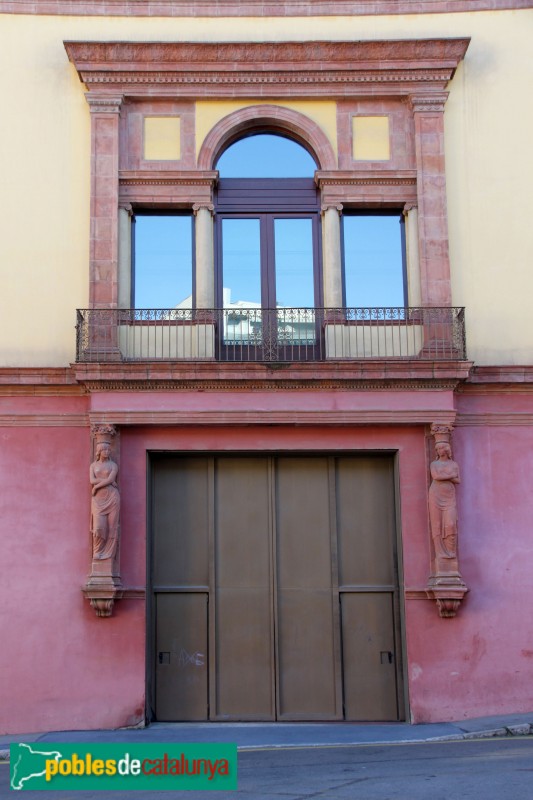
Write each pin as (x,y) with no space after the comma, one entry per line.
(331,207)
(104,104)
(428,103)
(206,206)
(409,207)
(441,432)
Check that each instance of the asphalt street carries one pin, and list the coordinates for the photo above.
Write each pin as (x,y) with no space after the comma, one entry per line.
(484,769)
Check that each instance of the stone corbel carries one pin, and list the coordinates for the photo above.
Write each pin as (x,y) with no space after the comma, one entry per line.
(104,584)
(445,584)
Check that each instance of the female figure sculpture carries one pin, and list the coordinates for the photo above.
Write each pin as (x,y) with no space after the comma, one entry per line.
(105,503)
(443,508)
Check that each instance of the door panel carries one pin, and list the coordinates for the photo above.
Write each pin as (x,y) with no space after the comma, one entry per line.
(369,666)
(306,636)
(365,521)
(179,501)
(244,625)
(181,657)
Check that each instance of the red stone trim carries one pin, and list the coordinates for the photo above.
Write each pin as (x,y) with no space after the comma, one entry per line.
(44,420)
(252,69)
(271,118)
(366,374)
(264,417)
(41,381)
(392,188)
(511,418)
(172,188)
(254,8)
(502,374)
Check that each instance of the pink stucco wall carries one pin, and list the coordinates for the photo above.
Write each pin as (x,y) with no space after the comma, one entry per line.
(63,668)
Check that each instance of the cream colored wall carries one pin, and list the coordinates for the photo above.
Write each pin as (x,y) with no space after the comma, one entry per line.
(44,152)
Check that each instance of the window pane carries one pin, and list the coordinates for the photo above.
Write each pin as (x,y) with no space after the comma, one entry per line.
(241,262)
(163,261)
(294,263)
(266,155)
(373,264)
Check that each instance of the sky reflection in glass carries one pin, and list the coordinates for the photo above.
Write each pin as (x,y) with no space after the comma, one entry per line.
(266,155)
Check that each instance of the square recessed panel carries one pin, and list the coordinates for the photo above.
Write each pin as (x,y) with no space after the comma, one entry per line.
(370,136)
(162,138)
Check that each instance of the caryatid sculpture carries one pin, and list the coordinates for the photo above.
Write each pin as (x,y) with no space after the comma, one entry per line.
(105,503)
(104,586)
(445,584)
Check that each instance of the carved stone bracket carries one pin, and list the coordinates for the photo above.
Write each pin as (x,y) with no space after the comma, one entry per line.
(104,584)
(445,584)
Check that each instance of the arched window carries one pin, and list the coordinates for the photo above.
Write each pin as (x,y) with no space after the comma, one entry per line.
(266,155)
(268,243)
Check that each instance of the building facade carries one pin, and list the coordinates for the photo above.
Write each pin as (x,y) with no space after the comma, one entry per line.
(266,369)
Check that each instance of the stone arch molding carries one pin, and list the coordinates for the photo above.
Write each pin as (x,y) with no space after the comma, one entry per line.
(272,119)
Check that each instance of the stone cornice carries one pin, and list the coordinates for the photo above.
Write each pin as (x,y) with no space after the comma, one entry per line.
(353,376)
(377,188)
(405,67)
(169,177)
(365,178)
(264,417)
(257,8)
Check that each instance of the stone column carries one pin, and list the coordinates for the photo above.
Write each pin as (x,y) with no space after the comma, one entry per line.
(410,213)
(125,214)
(205,255)
(435,281)
(331,261)
(103,280)
(105,112)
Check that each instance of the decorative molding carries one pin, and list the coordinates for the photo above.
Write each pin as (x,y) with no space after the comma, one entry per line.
(44,420)
(415,594)
(272,386)
(168,178)
(235,418)
(205,206)
(271,117)
(331,207)
(507,419)
(253,8)
(507,374)
(104,105)
(364,178)
(380,187)
(428,103)
(317,68)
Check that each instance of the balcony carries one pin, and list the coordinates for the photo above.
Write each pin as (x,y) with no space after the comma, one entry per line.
(270,336)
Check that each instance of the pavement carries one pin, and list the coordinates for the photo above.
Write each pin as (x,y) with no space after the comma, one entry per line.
(257,736)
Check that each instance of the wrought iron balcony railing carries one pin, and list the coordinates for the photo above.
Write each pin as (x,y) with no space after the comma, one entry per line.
(270,335)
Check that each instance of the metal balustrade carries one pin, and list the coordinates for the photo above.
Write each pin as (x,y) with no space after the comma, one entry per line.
(270,335)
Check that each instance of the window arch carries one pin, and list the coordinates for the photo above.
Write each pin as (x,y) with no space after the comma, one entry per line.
(271,118)
(265,155)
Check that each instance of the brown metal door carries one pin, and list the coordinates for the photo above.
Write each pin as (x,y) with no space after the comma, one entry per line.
(309,678)
(243,658)
(368,587)
(180,583)
(275,585)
